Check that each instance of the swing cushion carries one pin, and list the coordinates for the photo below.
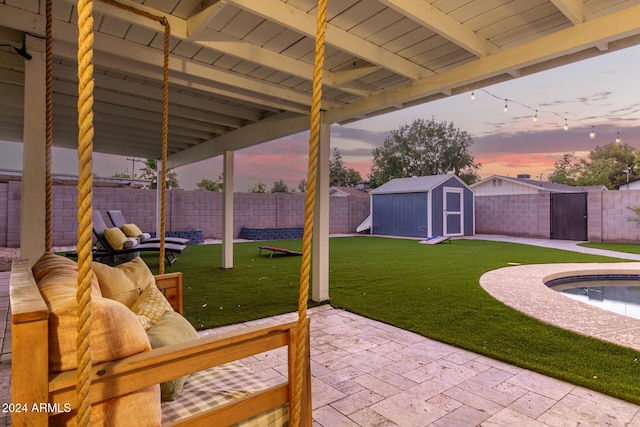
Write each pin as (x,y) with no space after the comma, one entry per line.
(124,282)
(131,230)
(118,240)
(150,306)
(171,329)
(115,330)
(66,273)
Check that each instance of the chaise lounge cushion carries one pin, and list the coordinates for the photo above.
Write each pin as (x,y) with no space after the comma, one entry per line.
(125,282)
(171,329)
(131,230)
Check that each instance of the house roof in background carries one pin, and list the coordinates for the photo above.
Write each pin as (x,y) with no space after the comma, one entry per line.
(552,187)
(348,191)
(7,175)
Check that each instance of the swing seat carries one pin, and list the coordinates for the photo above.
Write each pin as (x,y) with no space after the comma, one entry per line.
(126,372)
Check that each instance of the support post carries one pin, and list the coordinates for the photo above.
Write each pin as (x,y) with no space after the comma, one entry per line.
(158,196)
(33,215)
(227,210)
(320,257)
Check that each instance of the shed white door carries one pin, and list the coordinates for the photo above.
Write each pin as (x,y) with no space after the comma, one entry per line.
(453,204)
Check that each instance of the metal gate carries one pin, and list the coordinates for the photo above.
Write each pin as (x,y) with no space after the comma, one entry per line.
(569,216)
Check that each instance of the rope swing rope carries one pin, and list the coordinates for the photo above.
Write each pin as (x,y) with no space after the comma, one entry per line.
(85,194)
(85,184)
(49,127)
(312,172)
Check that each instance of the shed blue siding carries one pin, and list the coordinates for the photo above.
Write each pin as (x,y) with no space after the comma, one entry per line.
(402,214)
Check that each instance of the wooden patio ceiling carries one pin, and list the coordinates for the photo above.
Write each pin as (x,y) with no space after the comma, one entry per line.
(240,70)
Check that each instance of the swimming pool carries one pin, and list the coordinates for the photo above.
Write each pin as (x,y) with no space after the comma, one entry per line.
(616,293)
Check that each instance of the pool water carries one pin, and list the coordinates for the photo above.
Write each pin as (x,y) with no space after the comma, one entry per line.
(618,294)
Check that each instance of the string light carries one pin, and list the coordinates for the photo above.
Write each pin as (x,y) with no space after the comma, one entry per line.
(592,133)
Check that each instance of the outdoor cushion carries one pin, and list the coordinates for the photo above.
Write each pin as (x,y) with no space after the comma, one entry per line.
(67,273)
(150,306)
(171,329)
(115,237)
(124,282)
(131,230)
(144,236)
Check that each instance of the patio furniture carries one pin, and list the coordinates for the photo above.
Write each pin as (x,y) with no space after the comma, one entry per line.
(104,248)
(117,219)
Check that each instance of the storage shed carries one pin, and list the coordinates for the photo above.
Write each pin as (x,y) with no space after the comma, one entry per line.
(436,205)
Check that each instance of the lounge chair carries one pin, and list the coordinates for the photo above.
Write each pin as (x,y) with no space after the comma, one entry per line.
(117,219)
(104,249)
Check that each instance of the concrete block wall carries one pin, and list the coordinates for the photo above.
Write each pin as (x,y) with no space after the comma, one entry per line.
(616,226)
(594,215)
(186,210)
(526,215)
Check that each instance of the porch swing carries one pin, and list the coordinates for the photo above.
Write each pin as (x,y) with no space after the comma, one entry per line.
(128,382)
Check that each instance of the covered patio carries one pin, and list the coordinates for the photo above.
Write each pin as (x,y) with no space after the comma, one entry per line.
(241,70)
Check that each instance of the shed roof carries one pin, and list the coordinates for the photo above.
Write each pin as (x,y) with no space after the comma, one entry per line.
(414,185)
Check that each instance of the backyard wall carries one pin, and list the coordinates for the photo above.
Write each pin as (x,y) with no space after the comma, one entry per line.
(185,210)
(526,215)
(529,215)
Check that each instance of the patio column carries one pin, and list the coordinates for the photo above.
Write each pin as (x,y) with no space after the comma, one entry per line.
(159,197)
(320,272)
(227,210)
(33,216)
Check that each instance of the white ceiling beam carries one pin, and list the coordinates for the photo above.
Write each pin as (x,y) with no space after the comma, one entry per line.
(11,36)
(440,23)
(303,23)
(198,21)
(194,30)
(574,10)
(605,29)
(106,44)
(274,127)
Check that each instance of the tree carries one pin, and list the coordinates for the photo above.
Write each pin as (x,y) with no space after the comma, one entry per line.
(339,175)
(424,148)
(150,171)
(302,186)
(258,188)
(280,187)
(566,170)
(209,185)
(121,175)
(607,165)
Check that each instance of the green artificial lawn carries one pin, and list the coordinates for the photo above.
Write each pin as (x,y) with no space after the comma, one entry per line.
(632,248)
(429,289)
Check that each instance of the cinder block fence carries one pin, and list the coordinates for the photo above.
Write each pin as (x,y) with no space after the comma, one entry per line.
(185,210)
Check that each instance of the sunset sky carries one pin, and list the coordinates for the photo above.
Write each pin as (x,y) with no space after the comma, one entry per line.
(601,92)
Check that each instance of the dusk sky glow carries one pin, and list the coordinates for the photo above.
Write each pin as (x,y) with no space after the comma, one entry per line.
(601,92)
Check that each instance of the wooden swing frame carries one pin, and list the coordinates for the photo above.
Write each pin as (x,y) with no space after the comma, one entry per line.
(32,384)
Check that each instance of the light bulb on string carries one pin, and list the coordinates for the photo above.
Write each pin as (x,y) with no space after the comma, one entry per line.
(473,96)
(566,125)
(618,138)
(506,107)
(535,116)
(592,134)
